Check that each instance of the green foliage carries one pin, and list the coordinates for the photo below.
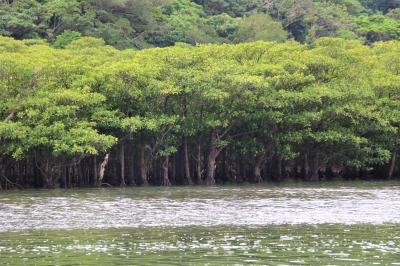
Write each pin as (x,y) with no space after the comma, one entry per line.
(260,27)
(331,20)
(20,19)
(144,24)
(335,102)
(384,27)
(394,14)
(302,81)
(381,5)
(66,38)
(353,7)
(237,8)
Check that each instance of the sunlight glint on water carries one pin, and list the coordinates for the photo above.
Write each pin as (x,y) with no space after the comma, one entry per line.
(248,225)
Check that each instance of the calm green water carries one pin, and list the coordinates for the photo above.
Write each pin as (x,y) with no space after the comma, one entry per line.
(325,224)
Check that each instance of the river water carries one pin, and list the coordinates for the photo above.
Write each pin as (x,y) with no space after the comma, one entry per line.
(351,223)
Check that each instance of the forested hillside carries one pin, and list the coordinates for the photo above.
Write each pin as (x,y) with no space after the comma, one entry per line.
(148,23)
(91,114)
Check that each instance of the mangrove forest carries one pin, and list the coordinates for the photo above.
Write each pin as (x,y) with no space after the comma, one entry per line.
(199,132)
(197,92)
(92,115)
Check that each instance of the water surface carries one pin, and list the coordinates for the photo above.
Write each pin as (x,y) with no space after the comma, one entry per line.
(336,223)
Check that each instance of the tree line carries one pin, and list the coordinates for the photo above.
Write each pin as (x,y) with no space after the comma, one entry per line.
(93,115)
(159,23)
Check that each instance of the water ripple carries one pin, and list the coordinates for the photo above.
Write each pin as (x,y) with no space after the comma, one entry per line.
(178,207)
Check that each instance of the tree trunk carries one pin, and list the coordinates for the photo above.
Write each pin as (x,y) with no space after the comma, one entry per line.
(165,165)
(212,161)
(232,170)
(122,159)
(186,159)
(131,167)
(306,167)
(199,165)
(102,170)
(64,177)
(143,167)
(95,171)
(392,164)
(173,177)
(279,169)
(315,168)
(49,174)
(211,167)
(260,160)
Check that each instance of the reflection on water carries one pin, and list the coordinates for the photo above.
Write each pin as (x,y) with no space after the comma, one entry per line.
(197,207)
(355,224)
(272,245)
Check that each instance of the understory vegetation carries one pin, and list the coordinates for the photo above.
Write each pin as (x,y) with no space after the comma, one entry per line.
(90,114)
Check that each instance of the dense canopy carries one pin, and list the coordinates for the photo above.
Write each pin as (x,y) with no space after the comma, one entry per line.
(148,23)
(90,114)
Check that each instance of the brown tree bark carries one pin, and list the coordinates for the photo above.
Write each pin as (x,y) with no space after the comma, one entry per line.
(102,170)
(186,159)
(47,173)
(211,167)
(315,168)
(131,166)
(122,164)
(392,164)
(212,160)
(143,167)
(64,177)
(306,167)
(199,171)
(95,171)
(165,182)
(260,160)
(174,169)
(279,168)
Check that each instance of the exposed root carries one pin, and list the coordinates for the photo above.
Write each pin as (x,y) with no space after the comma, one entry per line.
(8,181)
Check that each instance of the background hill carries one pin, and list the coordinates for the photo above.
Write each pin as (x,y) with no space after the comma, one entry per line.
(148,23)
